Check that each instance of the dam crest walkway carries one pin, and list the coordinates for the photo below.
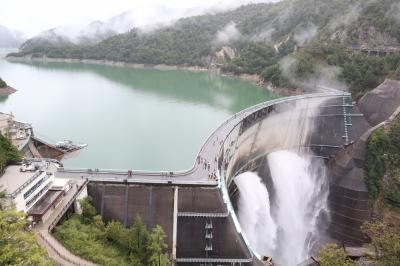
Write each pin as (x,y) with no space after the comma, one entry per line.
(205,168)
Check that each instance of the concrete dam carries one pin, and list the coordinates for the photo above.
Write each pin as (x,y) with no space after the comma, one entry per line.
(298,157)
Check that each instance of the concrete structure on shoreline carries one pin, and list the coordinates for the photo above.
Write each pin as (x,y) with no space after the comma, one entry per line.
(22,136)
(18,132)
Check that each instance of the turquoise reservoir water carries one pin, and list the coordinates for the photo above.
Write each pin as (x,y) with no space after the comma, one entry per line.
(130,118)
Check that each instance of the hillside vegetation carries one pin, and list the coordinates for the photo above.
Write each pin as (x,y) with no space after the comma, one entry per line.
(18,244)
(9,154)
(112,244)
(3,84)
(331,64)
(382,171)
(292,43)
(382,175)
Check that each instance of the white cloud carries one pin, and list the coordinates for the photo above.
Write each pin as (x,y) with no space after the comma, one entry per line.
(264,36)
(351,15)
(228,34)
(33,17)
(325,79)
(394,12)
(305,34)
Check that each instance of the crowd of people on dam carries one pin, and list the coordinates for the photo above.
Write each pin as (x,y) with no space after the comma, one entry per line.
(206,166)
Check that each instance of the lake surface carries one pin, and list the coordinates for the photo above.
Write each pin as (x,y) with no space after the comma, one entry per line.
(130,118)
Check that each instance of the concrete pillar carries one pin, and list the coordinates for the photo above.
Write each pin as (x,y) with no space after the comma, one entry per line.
(150,210)
(175,226)
(126,205)
(102,201)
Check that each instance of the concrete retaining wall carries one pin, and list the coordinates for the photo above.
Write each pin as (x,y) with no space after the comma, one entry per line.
(154,204)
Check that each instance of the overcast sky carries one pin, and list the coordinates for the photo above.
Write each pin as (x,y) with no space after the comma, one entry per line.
(34,16)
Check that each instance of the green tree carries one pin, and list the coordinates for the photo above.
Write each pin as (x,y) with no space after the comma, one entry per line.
(88,211)
(111,244)
(2,83)
(376,162)
(253,58)
(9,154)
(394,135)
(135,260)
(157,247)
(3,203)
(138,240)
(332,255)
(98,222)
(305,66)
(274,75)
(387,242)
(383,158)
(89,242)
(3,160)
(18,246)
(117,233)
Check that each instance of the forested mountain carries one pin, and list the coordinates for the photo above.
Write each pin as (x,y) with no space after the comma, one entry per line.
(273,40)
(9,38)
(92,33)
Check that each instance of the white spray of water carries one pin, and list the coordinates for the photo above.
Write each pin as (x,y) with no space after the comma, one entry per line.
(254,212)
(287,230)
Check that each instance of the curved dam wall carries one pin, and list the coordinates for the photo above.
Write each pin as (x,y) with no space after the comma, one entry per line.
(321,124)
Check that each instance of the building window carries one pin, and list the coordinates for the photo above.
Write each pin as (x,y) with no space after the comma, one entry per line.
(34,198)
(34,187)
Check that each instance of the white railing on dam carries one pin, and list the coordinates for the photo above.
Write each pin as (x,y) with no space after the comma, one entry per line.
(209,151)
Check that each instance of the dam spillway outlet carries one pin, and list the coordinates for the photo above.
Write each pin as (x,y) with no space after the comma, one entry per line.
(282,220)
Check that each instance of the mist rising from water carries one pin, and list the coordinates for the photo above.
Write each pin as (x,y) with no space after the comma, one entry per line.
(286,229)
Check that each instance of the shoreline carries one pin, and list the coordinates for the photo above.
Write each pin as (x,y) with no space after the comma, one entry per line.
(253,78)
(5,91)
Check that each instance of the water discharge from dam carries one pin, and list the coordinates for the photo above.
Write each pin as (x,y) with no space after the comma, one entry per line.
(255,214)
(282,220)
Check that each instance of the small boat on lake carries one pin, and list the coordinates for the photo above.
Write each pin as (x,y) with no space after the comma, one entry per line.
(69,145)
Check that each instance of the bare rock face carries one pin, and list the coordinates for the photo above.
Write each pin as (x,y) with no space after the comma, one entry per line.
(369,36)
(379,104)
(226,53)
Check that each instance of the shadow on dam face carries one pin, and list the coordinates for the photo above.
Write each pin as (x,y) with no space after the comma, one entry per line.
(285,149)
